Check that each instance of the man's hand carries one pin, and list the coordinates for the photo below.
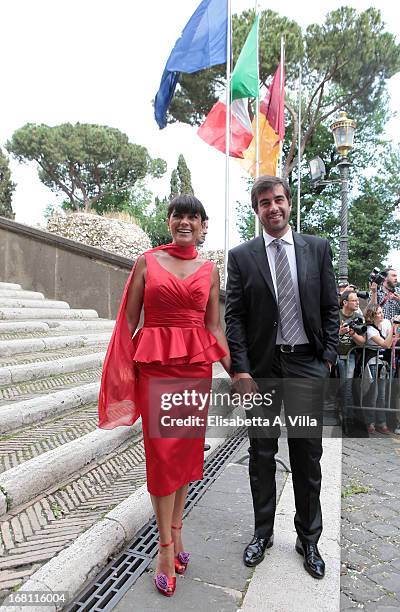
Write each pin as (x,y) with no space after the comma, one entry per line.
(328,364)
(243,383)
(344,329)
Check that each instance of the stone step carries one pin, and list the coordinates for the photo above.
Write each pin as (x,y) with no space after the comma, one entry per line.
(31,478)
(10,330)
(37,409)
(35,371)
(21,295)
(16,347)
(59,474)
(26,314)
(83,325)
(72,423)
(10,286)
(80,325)
(25,327)
(51,355)
(32,389)
(80,554)
(35,532)
(22,303)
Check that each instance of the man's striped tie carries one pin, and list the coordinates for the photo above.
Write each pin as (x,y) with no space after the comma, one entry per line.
(288,314)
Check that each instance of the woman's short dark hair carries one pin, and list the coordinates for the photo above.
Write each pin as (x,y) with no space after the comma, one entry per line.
(186,203)
(268,182)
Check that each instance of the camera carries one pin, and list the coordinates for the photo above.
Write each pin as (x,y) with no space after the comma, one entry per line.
(363,295)
(376,276)
(396,325)
(357,325)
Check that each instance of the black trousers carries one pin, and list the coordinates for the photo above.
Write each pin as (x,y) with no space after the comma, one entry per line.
(297,380)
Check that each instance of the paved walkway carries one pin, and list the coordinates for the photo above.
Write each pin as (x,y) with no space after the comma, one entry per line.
(371,525)
(218,528)
(216,531)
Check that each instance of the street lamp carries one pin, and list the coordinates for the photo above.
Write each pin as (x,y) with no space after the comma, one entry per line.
(343,132)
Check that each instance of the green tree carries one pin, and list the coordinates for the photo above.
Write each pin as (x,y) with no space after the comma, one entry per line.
(320,207)
(174,184)
(154,223)
(245,217)
(6,188)
(245,221)
(373,219)
(345,64)
(93,165)
(184,176)
(139,201)
(181,179)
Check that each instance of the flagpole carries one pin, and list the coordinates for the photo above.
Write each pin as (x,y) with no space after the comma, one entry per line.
(280,95)
(299,155)
(257,172)
(227,141)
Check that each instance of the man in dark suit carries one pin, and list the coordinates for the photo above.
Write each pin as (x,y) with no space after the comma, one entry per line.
(282,322)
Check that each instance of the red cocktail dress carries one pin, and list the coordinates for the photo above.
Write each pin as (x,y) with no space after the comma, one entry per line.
(172,351)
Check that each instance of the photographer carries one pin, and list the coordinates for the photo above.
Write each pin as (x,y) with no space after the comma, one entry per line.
(351,334)
(384,291)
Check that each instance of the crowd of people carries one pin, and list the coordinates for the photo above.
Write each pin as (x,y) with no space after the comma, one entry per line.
(369,354)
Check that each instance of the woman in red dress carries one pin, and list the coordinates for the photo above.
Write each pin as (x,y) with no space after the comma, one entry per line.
(170,356)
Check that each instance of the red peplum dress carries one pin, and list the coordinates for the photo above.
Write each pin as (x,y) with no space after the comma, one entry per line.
(171,354)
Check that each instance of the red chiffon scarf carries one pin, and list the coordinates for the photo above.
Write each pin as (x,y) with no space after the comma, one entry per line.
(117,404)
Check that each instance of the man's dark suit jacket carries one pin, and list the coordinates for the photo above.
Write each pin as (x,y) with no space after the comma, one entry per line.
(251,310)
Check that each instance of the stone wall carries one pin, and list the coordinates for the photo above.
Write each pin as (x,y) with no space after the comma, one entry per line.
(64,269)
(218,258)
(112,235)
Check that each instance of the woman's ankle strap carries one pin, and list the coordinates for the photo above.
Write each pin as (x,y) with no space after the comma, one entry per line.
(175,527)
(164,545)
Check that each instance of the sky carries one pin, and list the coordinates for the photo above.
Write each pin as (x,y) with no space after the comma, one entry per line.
(98,61)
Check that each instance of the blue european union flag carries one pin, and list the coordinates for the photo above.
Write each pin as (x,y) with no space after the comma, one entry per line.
(202,44)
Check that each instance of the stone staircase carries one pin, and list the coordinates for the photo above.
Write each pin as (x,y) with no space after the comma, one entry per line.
(59,474)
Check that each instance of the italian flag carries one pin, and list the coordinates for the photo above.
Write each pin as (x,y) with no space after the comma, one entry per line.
(244,85)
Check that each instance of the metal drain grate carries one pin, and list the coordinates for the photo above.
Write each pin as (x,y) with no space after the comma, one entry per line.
(104,592)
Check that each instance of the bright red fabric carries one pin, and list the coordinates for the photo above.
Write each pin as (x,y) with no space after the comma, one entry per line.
(171,462)
(173,333)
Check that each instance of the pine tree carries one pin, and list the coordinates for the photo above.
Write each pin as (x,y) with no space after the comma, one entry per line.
(184,176)
(6,188)
(174,184)
(181,180)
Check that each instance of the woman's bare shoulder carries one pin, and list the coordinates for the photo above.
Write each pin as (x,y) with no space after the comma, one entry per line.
(141,262)
(140,266)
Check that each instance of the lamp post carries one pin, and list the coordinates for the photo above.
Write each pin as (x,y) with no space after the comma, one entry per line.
(343,132)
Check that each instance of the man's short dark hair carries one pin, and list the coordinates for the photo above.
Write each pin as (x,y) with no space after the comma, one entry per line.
(268,182)
(186,203)
(345,295)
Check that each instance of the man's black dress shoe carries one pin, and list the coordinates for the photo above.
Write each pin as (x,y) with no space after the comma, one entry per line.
(254,552)
(313,562)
